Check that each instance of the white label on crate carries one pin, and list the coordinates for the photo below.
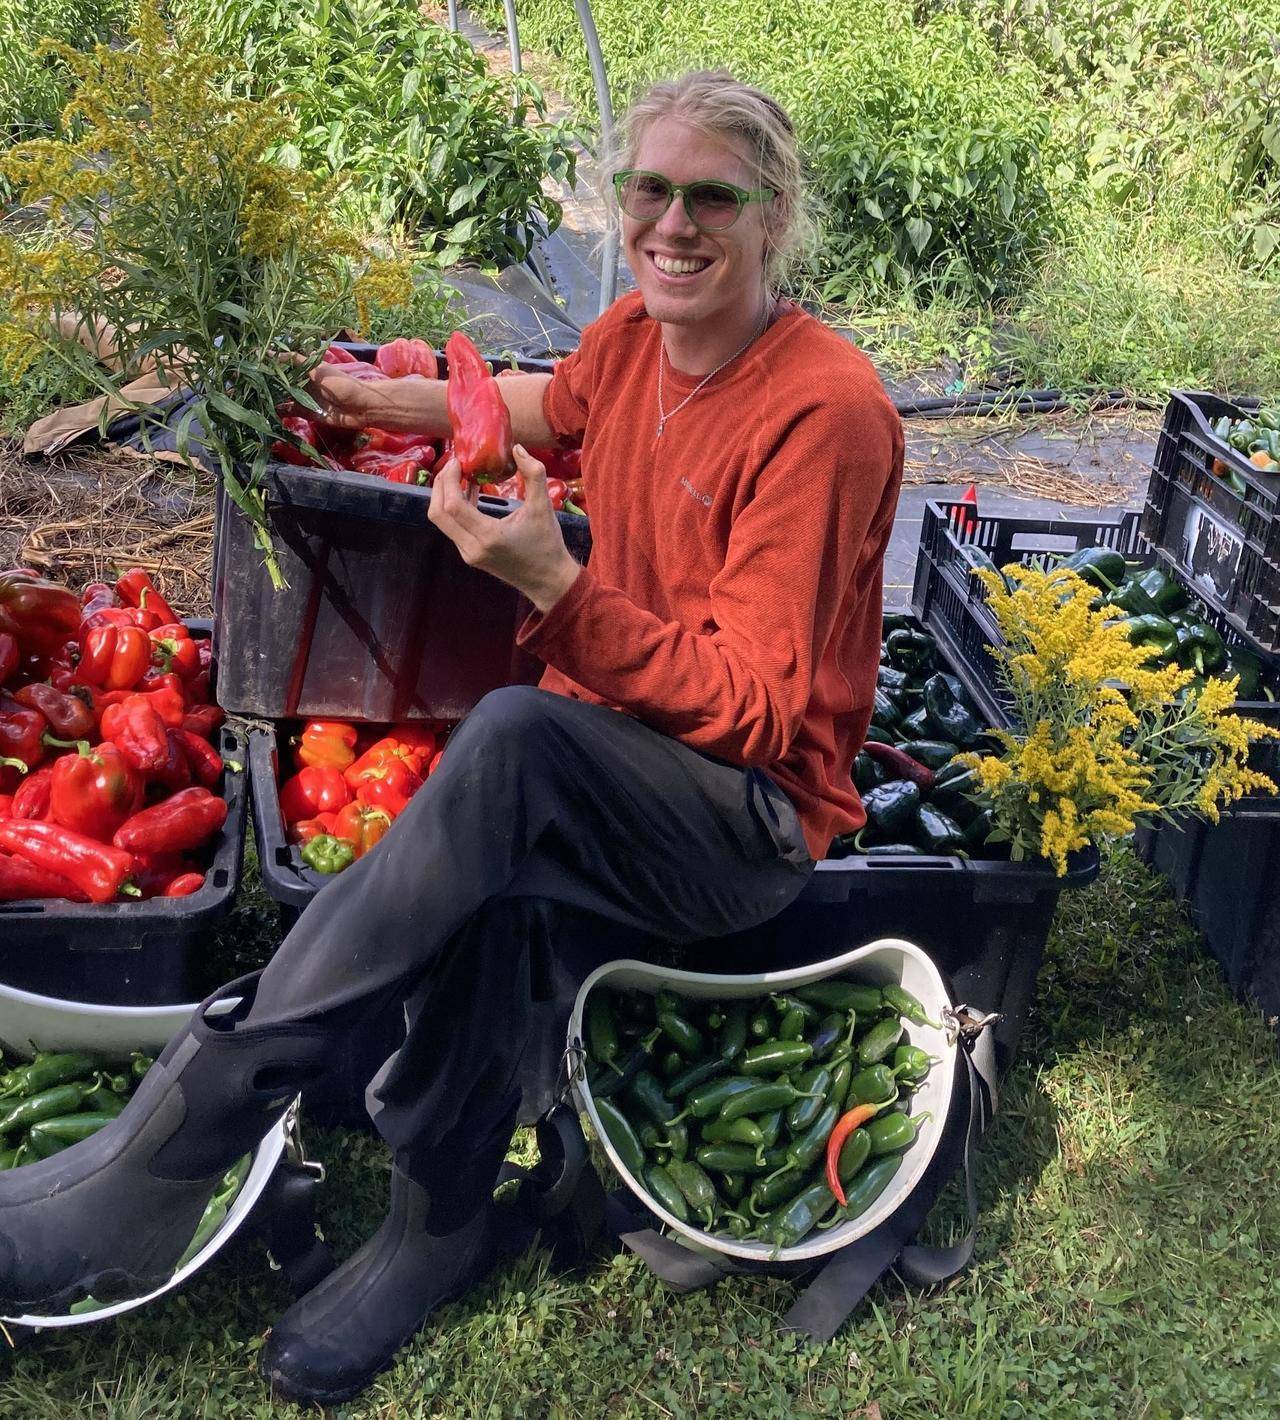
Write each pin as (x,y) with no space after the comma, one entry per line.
(1215,553)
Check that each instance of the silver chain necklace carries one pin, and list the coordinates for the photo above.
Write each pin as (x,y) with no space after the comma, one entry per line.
(663,414)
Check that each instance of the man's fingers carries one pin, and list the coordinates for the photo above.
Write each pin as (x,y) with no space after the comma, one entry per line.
(535,476)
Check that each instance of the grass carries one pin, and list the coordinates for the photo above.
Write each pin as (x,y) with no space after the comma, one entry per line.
(1130,1212)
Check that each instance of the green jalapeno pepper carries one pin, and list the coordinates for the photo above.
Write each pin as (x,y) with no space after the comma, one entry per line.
(760,1026)
(911,1064)
(661,1185)
(769,1193)
(611,1081)
(854,1152)
(8,1158)
(770,1127)
(646,1092)
(879,1041)
(792,1027)
(730,1158)
(44,1072)
(601,1029)
(681,1033)
(767,1095)
(795,1220)
(733,1186)
(50,1135)
(892,1132)
(104,1101)
(62,1099)
(733,1131)
(833,1030)
(874,1085)
(623,1137)
(863,1190)
(139,1064)
(838,995)
(841,1075)
(905,1004)
(775,1057)
(676,1140)
(698,1190)
(708,1099)
(816,1084)
(671,1064)
(695,1075)
(732,1040)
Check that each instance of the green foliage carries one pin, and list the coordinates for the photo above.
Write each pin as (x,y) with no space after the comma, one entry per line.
(33,87)
(47,384)
(433,142)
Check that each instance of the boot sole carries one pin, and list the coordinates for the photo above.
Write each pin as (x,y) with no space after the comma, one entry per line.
(110,1285)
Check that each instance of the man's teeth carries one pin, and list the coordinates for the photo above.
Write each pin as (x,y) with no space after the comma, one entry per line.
(684,267)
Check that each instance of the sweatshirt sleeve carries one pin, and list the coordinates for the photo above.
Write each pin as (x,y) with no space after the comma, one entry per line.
(740,692)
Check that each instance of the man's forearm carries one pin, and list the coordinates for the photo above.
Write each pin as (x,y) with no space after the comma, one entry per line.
(418,406)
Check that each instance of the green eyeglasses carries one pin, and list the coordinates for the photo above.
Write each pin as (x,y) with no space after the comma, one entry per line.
(710,206)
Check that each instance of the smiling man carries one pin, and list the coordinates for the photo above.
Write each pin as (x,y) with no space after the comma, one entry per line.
(684,762)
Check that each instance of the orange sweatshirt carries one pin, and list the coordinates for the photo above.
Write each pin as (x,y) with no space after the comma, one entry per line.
(733,599)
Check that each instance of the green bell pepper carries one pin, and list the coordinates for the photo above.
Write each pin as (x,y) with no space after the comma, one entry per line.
(936,832)
(1101,567)
(933,754)
(946,714)
(1199,648)
(327,854)
(891,807)
(1155,631)
(910,651)
(1166,593)
(1248,668)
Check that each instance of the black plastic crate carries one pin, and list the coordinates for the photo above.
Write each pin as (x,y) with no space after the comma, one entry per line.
(148,953)
(1225,545)
(1227,873)
(381,618)
(952,604)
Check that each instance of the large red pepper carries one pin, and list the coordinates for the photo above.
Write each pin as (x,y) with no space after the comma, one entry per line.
(330,742)
(417,734)
(306,829)
(415,757)
(387,441)
(69,717)
(184,885)
(137,732)
(114,657)
(317,789)
(203,720)
(21,732)
(22,881)
(478,417)
(40,615)
(99,871)
(398,358)
(174,651)
(167,702)
(361,826)
(9,656)
(6,805)
(97,596)
(300,430)
(31,797)
(137,589)
(175,772)
(93,791)
(187,820)
(137,616)
(153,872)
(203,761)
(388,785)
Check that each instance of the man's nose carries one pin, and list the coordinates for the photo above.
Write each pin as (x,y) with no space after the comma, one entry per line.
(675,222)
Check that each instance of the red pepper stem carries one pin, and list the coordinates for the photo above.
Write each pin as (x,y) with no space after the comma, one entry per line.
(129,890)
(19,764)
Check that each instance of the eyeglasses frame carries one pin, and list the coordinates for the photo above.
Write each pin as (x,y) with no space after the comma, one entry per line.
(681,190)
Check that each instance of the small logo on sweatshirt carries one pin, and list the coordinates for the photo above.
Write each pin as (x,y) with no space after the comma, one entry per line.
(703,498)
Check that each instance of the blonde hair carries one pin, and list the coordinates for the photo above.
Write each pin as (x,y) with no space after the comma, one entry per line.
(714,102)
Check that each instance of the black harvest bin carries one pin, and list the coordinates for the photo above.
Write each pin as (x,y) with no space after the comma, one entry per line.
(381,618)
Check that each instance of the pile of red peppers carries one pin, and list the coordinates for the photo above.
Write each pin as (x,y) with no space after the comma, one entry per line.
(107,767)
(480,429)
(350,784)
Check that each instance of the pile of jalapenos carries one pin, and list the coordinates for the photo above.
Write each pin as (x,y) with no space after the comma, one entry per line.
(59,1099)
(722,1110)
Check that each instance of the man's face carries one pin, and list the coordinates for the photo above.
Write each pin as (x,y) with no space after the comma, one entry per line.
(714,272)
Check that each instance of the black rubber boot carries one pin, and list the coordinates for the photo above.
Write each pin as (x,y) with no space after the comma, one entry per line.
(329,1345)
(111,1216)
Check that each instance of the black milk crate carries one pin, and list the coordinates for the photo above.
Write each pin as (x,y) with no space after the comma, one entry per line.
(381,618)
(952,604)
(1223,544)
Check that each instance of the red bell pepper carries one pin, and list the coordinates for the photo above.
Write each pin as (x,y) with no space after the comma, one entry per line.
(175,773)
(361,826)
(121,616)
(167,702)
(9,656)
(387,441)
(137,732)
(203,761)
(6,805)
(300,431)
(326,742)
(391,748)
(114,657)
(336,355)
(97,596)
(317,789)
(421,735)
(478,417)
(388,785)
(137,589)
(31,797)
(435,761)
(173,650)
(306,829)
(203,720)
(408,470)
(40,615)
(153,872)
(187,820)
(21,881)
(443,457)
(69,717)
(21,732)
(185,885)
(93,791)
(98,871)
(398,358)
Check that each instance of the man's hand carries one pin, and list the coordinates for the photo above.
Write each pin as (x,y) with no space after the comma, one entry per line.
(525,549)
